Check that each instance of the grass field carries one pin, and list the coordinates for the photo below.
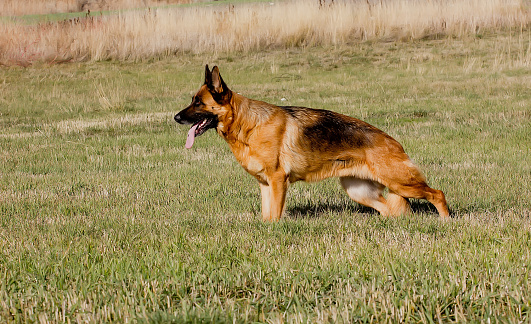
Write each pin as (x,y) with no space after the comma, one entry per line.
(105,216)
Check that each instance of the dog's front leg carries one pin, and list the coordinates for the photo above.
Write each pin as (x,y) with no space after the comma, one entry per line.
(265,190)
(274,197)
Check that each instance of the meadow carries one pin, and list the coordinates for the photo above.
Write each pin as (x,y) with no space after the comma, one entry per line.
(106,217)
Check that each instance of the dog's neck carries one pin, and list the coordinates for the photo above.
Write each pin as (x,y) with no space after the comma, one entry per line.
(242,110)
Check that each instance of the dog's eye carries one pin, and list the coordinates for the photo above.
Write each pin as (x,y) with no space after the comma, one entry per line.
(196,102)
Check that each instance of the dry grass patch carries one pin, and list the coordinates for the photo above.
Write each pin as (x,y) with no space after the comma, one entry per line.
(78,126)
(35,7)
(164,32)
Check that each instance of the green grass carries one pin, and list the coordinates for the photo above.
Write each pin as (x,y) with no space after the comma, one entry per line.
(105,216)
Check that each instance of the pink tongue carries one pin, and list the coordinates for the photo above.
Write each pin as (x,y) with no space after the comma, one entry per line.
(191,136)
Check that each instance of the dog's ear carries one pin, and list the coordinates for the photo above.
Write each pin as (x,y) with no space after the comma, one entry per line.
(208,75)
(216,85)
(217,81)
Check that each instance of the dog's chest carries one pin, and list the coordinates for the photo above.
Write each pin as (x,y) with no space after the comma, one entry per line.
(252,163)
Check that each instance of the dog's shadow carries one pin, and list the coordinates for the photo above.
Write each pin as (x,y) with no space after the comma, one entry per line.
(311,210)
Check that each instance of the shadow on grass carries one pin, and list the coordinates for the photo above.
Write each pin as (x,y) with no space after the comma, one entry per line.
(310,210)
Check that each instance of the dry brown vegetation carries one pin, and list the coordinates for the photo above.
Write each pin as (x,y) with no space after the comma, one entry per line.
(32,7)
(138,35)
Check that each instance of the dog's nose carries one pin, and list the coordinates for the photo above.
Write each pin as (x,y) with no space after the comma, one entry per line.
(177,118)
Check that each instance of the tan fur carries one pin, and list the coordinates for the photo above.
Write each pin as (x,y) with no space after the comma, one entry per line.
(281,145)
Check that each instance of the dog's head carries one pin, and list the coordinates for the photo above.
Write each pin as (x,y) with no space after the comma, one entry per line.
(208,106)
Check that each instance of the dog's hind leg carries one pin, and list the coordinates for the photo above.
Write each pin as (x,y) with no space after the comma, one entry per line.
(367,193)
(421,190)
(397,204)
(405,179)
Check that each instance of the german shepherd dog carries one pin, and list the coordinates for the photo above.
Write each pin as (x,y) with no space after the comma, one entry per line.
(280,145)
